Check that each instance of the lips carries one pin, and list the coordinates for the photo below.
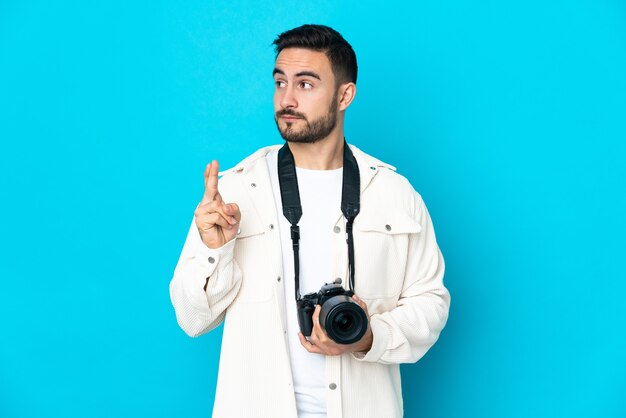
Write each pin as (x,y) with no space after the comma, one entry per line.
(290,118)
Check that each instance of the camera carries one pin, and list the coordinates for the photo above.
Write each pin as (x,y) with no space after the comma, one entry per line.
(344,321)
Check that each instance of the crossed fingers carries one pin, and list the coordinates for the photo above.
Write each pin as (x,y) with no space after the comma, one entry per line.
(210,182)
(212,204)
(216,220)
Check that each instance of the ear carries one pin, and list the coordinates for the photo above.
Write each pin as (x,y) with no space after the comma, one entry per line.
(346,95)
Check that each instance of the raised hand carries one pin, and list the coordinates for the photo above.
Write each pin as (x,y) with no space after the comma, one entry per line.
(217,221)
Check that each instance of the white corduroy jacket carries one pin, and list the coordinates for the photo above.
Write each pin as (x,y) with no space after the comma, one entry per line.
(399,274)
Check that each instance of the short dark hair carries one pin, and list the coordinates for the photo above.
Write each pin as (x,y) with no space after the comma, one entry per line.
(323,39)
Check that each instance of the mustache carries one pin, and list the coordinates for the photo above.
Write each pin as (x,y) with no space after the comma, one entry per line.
(289,112)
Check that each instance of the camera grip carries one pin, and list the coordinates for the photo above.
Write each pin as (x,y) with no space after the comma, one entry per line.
(305,316)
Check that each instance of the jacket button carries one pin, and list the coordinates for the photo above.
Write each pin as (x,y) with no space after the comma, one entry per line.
(278,279)
(332,386)
(253,184)
(211,260)
(388,227)
(271,226)
(373,168)
(336,229)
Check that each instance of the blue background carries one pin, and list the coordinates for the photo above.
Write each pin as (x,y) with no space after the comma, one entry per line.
(508,118)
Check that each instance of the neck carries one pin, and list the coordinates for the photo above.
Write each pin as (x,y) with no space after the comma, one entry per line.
(326,154)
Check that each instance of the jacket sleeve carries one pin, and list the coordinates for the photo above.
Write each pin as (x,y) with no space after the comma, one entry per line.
(406,333)
(205,283)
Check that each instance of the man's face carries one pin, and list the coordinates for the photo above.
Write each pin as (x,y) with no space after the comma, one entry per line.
(305,95)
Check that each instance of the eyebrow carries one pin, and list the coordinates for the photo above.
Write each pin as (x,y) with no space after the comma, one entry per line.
(300,74)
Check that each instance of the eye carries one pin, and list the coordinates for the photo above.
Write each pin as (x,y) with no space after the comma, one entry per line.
(306,85)
(279,83)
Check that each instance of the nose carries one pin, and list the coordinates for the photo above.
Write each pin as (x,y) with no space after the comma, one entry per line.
(288,99)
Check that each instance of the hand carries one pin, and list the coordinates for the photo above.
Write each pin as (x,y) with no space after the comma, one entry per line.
(320,343)
(216,221)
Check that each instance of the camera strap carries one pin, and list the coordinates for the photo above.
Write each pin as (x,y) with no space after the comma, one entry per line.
(292,208)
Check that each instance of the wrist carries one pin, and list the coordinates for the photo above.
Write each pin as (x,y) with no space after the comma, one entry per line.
(365,344)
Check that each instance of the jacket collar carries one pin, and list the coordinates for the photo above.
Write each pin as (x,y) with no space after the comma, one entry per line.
(368,165)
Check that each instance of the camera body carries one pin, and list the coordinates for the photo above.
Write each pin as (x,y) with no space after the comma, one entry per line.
(343,320)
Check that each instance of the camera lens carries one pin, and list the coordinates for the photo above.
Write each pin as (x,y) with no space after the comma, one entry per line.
(343,319)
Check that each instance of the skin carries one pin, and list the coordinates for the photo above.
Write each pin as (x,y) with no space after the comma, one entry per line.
(305,87)
(216,220)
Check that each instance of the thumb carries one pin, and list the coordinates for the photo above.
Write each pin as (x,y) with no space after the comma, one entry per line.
(232,209)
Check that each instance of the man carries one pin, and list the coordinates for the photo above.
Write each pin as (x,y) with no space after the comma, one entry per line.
(238,262)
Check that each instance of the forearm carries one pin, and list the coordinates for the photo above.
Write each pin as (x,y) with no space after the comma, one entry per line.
(205,283)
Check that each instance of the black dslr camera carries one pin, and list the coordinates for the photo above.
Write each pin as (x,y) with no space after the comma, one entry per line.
(344,321)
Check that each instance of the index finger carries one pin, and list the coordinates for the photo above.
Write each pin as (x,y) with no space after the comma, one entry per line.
(210,180)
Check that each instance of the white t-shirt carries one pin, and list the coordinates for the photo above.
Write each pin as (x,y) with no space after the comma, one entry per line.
(320,196)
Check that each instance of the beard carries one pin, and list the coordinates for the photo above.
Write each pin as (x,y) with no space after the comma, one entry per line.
(312,131)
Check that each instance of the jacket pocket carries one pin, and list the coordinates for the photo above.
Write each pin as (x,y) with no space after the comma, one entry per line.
(250,225)
(381,243)
(251,255)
